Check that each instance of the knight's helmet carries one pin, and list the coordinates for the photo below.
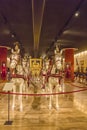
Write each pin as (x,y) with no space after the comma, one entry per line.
(56,51)
(16,49)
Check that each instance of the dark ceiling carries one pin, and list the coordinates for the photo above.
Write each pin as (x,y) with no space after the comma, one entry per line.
(40,24)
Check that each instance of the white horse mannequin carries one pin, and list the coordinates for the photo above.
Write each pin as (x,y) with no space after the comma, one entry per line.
(55,78)
(19,82)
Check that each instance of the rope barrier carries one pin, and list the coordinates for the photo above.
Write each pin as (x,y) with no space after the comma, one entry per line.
(44,94)
(77,86)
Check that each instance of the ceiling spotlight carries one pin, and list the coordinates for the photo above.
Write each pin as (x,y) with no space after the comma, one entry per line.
(12,36)
(76,14)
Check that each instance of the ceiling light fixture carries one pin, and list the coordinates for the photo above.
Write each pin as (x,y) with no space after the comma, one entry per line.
(77,14)
(12,36)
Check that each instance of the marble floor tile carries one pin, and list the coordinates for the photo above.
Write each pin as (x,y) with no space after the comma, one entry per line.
(36,114)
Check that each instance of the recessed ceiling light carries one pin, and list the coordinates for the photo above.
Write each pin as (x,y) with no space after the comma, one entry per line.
(76,14)
(12,35)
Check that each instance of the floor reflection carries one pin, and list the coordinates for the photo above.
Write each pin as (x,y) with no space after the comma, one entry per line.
(36,114)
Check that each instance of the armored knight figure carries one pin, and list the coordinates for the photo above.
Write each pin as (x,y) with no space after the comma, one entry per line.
(15,57)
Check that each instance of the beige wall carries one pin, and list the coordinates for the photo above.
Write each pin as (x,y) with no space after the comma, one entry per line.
(81,59)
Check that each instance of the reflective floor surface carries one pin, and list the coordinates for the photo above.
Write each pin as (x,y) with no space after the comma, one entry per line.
(36,114)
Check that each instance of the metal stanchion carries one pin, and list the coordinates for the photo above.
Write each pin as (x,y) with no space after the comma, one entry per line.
(8,122)
(8,87)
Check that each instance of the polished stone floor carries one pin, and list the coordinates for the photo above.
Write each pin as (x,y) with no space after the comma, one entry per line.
(36,114)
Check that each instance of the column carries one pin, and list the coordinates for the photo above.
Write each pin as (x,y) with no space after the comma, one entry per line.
(69,64)
(3,61)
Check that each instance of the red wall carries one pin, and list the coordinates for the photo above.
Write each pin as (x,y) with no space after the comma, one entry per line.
(69,59)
